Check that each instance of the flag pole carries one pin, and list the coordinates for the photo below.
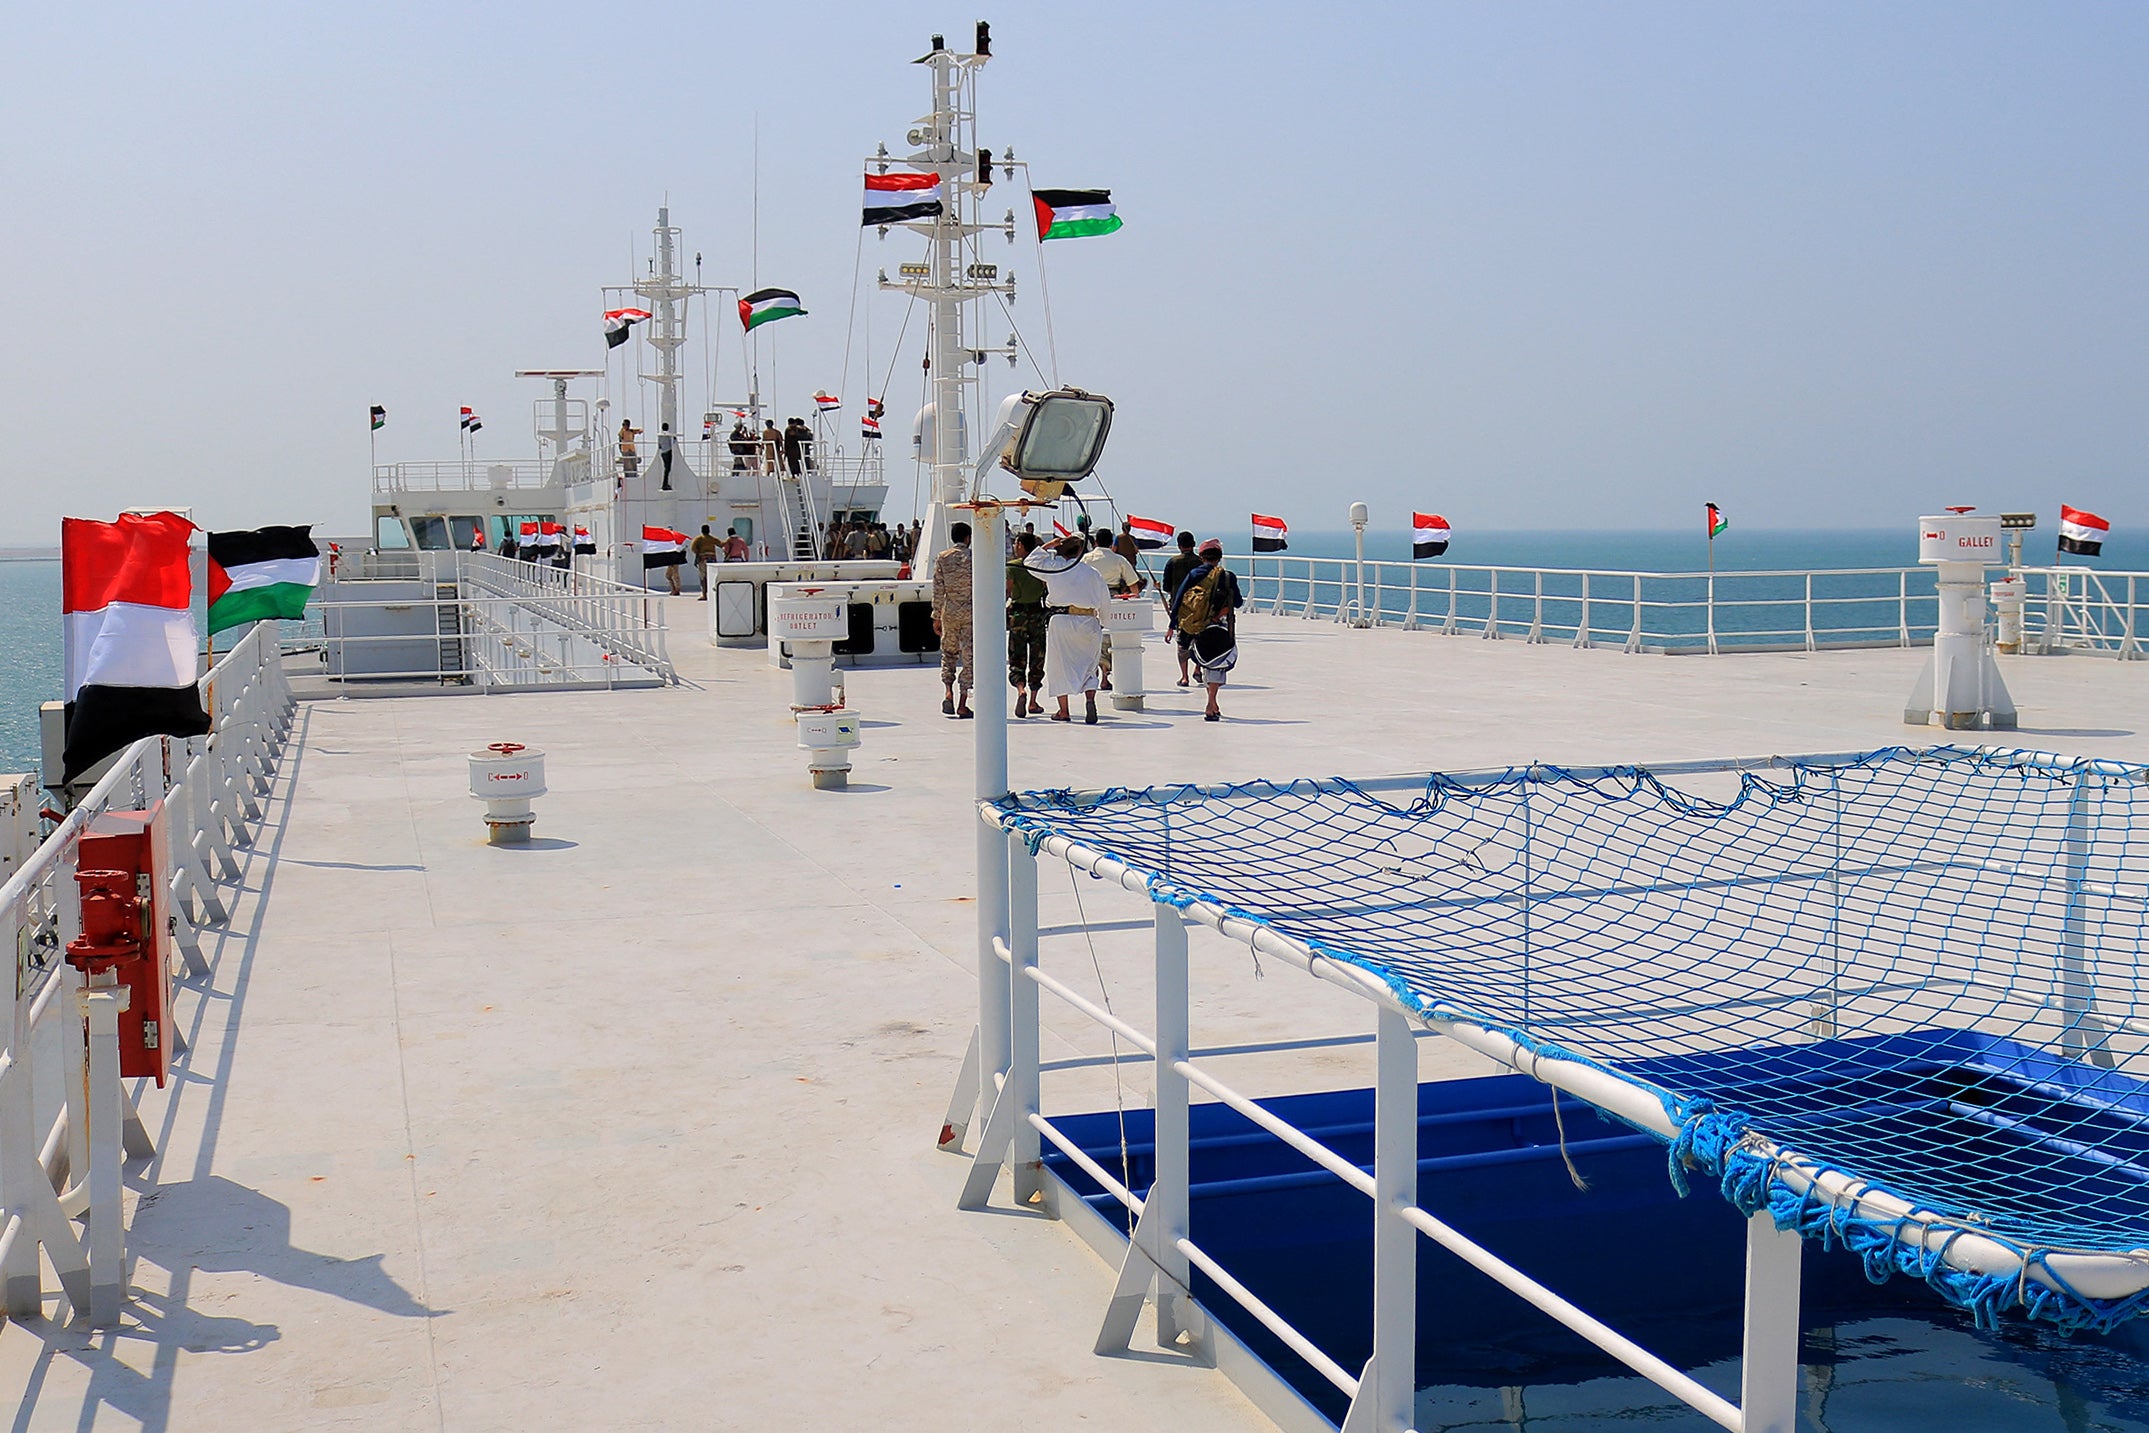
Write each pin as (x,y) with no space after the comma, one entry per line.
(1709,522)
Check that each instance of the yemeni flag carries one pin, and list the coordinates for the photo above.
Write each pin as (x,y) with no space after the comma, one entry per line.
(551,535)
(661,547)
(1060,529)
(1717,522)
(826,402)
(1149,534)
(1269,533)
(380,417)
(1074,213)
(896,198)
(2082,533)
(471,422)
(1428,535)
(585,545)
(127,596)
(766,306)
(620,322)
(268,572)
(869,425)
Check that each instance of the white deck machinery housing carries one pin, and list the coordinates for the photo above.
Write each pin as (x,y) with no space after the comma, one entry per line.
(1960,688)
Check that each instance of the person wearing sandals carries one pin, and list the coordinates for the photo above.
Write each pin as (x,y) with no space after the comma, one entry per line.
(1204,612)
(1175,572)
(1074,639)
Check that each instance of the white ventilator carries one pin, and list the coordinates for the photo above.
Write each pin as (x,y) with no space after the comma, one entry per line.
(1960,688)
(506,776)
(809,623)
(1127,621)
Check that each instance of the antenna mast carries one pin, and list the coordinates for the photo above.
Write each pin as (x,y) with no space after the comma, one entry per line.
(944,143)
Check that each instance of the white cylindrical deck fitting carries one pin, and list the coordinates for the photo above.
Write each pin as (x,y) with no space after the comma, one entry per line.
(2007,598)
(1127,622)
(505,776)
(827,739)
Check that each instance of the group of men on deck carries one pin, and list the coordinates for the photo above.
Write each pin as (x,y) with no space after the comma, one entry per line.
(1057,593)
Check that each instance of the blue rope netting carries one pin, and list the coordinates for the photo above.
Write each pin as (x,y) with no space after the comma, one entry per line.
(1918,969)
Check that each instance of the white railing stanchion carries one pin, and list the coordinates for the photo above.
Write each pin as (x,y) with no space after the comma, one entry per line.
(1768,1371)
(1022,1080)
(1387,1390)
(1154,1259)
(1582,636)
(100,1008)
(1451,626)
(1812,644)
(1634,636)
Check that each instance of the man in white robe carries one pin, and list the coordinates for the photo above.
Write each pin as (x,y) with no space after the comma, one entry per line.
(1075,595)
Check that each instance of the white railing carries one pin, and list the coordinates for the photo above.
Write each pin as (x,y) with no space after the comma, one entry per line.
(457,476)
(2066,608)
(507,624)
(66,1119)
(1002,1079)
(2083,610)
(1634,611)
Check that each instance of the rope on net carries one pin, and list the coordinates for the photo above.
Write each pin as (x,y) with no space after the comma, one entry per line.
(1895,998)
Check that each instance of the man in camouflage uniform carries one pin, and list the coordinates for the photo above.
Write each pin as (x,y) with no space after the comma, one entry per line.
(1026,622)
(951,620)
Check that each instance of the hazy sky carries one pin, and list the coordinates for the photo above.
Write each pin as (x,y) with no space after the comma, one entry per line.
(1577,265)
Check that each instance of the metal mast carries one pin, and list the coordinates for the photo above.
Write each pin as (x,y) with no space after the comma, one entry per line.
(666,297)
(944,143)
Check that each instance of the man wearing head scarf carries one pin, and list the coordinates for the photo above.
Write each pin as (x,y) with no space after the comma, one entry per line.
(1205,614)
(1074,639)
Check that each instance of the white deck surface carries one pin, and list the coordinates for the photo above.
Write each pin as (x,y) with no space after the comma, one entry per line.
(633,1128)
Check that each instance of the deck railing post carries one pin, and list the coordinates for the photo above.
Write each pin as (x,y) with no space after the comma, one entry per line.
(1812,645)
(22,1272)
(1634,637)
(1412,621)
(1581,631)
(1492,605)
(1171,1194)
(1022,1079)
(1902,606)
(1450,625)
(1768,1372)
(101,1007)
(1387,1391)
(2077,993)
(1537,606)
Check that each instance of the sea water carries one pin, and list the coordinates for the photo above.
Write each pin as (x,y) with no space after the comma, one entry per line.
(29,655)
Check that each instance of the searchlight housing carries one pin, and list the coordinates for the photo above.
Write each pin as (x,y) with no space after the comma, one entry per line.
(1047,440)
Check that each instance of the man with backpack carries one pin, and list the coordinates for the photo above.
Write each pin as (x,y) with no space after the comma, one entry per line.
(1204,614)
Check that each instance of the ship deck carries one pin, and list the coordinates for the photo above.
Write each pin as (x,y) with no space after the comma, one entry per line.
(633,1127)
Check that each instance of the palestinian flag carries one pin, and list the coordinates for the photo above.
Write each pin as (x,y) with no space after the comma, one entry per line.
(766,306)
(620,322)
(2082,533)
(1074,213)
(1149,534)
(1428,535)
(896,198)
(128,633)
(661,547)
(585,545)
(826,402)
(471,422)
(1269,533)
(1717,521)
(380,417)
(268,572)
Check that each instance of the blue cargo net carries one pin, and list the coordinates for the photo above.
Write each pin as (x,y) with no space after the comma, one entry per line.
(1896,998)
